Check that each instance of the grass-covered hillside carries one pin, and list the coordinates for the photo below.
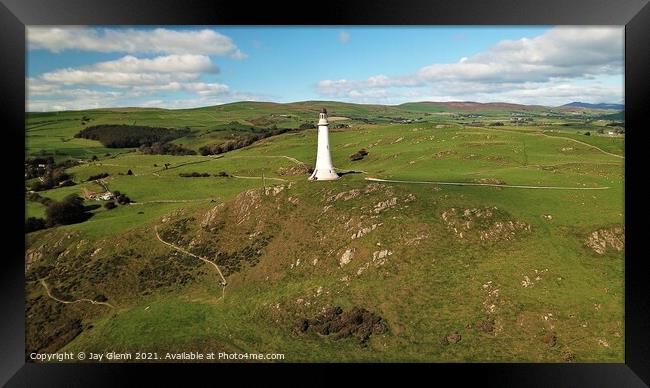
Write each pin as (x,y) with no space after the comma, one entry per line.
(486,234)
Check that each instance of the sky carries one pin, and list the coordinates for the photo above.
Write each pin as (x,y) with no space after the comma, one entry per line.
(71,68)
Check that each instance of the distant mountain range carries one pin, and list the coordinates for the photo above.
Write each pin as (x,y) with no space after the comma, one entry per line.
(587,105)
(361,109)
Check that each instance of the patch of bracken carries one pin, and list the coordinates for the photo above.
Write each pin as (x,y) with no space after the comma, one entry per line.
(171,270)
(176,231)
(231,262)
(357,323)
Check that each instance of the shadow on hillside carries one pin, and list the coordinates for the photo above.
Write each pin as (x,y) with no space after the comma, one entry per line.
(350,172)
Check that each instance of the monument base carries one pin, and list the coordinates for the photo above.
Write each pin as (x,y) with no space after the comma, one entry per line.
(323,175)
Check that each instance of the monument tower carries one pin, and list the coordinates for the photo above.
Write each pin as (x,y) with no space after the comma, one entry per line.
(324,171)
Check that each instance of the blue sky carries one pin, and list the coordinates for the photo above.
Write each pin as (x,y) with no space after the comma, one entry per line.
(177,67)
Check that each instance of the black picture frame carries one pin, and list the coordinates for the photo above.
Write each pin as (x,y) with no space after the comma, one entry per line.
(16,14)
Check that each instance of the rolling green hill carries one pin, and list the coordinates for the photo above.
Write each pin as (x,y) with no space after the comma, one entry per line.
(471,241)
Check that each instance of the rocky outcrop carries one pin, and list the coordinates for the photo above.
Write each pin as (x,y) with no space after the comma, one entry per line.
(603,240)
(488,224)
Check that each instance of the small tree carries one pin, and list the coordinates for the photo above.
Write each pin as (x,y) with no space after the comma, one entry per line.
(587,134)
(129,172)
(356,156)
(101,298)
(122,199)
(110,205)
(70,210)
(33,224)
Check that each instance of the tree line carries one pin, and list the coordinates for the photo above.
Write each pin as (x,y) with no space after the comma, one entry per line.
(128,136)
(241,141)
(70,210)
(159,148)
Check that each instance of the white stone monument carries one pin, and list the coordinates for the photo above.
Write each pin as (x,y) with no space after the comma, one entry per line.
(324,171)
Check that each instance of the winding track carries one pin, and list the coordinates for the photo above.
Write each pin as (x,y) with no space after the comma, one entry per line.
(223,289)
(552,137)
(47,289)
(586,144)
(259,177)
(487,184)
(296,161)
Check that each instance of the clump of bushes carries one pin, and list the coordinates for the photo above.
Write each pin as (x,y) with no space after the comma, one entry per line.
(359,154)
(53,178)
(101,298)
(194,174)
(70,210)
(36,197)
(222,174)
(36,167)
(40,166)
(66,183)
(98,176)
(240,142)
(121,198)
(165,149)
(110,205)
(33,224)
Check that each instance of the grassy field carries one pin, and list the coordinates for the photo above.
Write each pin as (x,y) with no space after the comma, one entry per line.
(510,270)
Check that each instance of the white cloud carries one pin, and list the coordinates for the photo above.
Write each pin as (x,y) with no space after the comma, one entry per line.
(545,67)
(186,63)
(123,81)
(130,71)
(156,41)
(201,88)
(344,37)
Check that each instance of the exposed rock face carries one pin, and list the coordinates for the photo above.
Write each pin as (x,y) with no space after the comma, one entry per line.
(491,181)
(297,169)
(346,257)
(416,239)
(381,206)
(363,231)
(246,202)
(273,190)
(503,230)
(345,195)
(354,193)
(33,255)
(379,258)
(356,322)
(604,239)
(211,215)
(372,187)
(488,224)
